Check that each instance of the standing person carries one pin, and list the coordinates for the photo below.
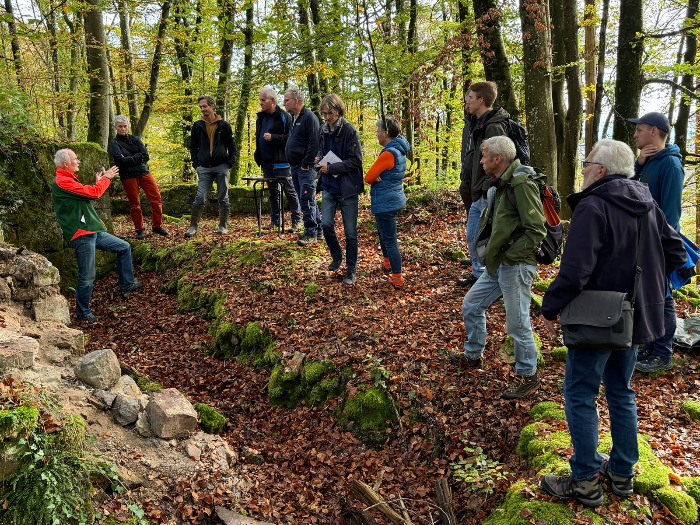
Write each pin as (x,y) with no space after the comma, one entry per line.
(271,131)
(341,183)
(213,153)
(600,254)
(301,150)
(131,157)
(659,166)
(84,230)
(510,265)
(465,176)
(484,122)
(385,178)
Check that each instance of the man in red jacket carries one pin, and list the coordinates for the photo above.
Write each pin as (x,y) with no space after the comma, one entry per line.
(84,230)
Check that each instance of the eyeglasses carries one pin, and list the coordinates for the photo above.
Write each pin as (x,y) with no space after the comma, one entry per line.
(585,163)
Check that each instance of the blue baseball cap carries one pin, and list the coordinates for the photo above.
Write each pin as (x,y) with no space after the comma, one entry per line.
(656,119)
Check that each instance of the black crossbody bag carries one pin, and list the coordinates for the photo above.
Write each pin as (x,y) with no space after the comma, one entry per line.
(602,319)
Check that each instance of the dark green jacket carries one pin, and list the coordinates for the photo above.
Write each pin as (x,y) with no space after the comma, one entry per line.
(516,231)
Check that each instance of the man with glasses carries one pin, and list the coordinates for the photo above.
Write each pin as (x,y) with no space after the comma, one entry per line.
(659,166)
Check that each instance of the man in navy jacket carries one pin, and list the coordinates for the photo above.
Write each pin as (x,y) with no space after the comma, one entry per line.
(659,166)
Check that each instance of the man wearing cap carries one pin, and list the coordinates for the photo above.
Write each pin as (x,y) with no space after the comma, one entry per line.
(659,166)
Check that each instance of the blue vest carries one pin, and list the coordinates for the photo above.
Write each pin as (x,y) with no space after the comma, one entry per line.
(387,194)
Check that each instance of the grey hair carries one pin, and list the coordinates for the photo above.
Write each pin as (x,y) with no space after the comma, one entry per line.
(391,128)
(500,145)
(296,94)
(269,94)
(120,118)
(61,157)
(616,156)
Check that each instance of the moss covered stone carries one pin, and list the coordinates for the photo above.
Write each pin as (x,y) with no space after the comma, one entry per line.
(683,506)
(211,421)
(692,485)
(548,409)
(18,422)
(692,408)
(369,415)
(226,339)
(541,286)
(313,383)
(190,298)
(559,353)
(539,439)
(517,500)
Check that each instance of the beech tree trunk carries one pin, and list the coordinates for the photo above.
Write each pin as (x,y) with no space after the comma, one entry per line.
(599,85)
(589,69)
(629,79)
(128,60)
(309,57)
(537,68)
(246,82)
(75,26)
(98,72)
(319,46)
(228,14)
(55,67)
(14,43)
(689,61)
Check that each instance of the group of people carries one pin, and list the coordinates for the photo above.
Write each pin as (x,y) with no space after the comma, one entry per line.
(605,232)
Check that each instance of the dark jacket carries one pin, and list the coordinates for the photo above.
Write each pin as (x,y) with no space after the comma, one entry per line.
(130,156)
(282,123)
(493,123)
(387,194)
(600,252)
(467,152)
(346,145)
(224,151)
(664,175)
(302,144)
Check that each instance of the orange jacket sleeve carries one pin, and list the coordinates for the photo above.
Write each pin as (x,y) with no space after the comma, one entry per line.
(384,162)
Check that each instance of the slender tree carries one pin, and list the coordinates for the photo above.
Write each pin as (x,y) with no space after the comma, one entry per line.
(128,61)
(689,63)
(14,43)
(600,76)
(98,72)
(246,82)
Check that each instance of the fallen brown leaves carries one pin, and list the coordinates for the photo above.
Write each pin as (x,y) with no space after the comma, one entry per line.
(309,461)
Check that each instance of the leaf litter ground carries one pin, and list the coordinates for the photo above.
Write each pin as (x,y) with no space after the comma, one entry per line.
(309,460)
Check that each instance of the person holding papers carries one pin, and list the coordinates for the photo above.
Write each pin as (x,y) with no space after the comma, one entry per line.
(340,166)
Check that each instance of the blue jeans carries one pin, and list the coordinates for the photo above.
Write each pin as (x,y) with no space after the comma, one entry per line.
(584,371)
(663,346)
(513,283)
(348,211)
(205,178)
(472,231)
(286,186)
(84,247)
(386,228)
(305,185)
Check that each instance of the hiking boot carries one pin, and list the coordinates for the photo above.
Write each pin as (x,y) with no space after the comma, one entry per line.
(160,231)
(621,485)
(589,491)
(140,234)
(350,277)
(654,364)
(521,387)
(335,263)
(644,352)
(90,318)
(386,264)
(126,292)
(467,281)
(307,240)
(462,359)
(296,226)
(465,262)
(396,279)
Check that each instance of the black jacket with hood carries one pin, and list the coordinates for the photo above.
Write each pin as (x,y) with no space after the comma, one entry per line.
(224,150)
(130,156)
(282,123)
(493,123)
(600,252)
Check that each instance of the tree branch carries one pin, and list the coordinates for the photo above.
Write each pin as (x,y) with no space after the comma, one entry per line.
(672,83)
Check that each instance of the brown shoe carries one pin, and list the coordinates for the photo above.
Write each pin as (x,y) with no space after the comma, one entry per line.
(522,386)
(462,359)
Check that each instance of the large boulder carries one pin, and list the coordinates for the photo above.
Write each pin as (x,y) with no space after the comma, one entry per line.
(171,415)
(17,351)
(51,308)
(99,369)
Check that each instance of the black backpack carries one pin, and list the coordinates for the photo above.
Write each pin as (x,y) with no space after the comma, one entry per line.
(550,247)
(518,134)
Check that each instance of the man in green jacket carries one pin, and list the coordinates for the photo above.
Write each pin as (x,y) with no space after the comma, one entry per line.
(510,264)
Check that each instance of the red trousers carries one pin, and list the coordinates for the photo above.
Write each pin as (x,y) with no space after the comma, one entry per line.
(148,184)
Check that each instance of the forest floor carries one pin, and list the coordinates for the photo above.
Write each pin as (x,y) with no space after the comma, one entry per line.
(309,459)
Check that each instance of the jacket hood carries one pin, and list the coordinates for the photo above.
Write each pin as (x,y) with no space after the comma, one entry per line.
(628,195)
(400,143)
(325,128)
(492,116)
(671,150)
(217,118)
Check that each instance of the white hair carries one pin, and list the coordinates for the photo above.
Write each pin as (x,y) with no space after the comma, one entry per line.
(120,118)
(500,145)
(61,158)
(269,94)
(616,156)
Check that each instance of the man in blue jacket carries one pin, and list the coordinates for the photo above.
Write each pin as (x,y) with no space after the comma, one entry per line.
(213,153)
(271,133)
(659,166)
(301,150)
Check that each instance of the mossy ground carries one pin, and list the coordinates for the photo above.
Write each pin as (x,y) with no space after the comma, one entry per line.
(369,415)
(211,421)
(683,506)
(313,383)
(692,408)
(559,353)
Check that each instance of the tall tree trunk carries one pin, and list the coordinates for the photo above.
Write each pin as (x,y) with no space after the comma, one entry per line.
(589,15)
(537,68)
(599,83)
(75,26)
(14,44)
(408,113)
(55,67)
(676,79)
(128,60)
(463,15)
(246,82)
(98,71)
(309,57)
(493,53)
(319,46)
(116,101)
(689,60)
(227,17)
(629,79)
(567,116)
